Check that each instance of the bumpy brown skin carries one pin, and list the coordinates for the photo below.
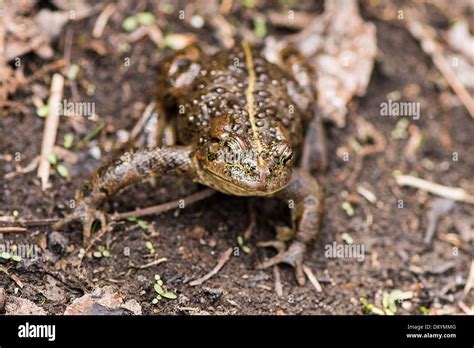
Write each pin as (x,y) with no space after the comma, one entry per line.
(239,121)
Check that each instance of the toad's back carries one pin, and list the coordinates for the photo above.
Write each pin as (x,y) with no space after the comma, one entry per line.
(253,98)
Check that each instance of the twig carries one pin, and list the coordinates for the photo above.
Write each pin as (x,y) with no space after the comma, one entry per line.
(225,31)
(225,7)
(365,129)
(12,229)
(367,194)
(44,70)
(469,281)
(224,257)
(34,222)
(465,308)
(102,20)
(50,129)
(68,46)
(2,299)
(98,235)
(140,125)
(253,221)
(440,207)
(426,36)
(312,278)
(12,276)
(278,285)
(453,193)
(90,135)
(158,209)
(150,264)
(29,168)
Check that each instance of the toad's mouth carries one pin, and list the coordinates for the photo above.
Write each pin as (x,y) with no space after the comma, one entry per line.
(223,184)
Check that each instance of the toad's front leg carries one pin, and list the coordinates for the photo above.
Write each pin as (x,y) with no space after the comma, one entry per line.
(306,198)
(130,168)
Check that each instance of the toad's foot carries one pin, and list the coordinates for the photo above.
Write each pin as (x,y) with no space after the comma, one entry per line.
(86,214)
(305,198)
(293,257)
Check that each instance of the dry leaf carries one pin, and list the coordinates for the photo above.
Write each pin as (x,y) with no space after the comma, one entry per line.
(108,297)
(21,306)
(341,48)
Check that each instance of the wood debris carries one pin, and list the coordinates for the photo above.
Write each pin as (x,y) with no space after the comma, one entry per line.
(50,129)
(224,257)
(453,193)
(427,38)
(312,278)
(341,47)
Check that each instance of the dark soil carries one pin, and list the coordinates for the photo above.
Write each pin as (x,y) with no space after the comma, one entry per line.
(395,255)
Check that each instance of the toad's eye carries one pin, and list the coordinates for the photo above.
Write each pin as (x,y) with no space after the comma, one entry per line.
(286,156)
(232,148)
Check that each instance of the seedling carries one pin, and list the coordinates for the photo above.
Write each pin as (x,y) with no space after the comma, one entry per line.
(245,248)
(158,286)
(102,252)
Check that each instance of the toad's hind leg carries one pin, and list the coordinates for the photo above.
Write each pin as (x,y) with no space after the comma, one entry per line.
(305,198)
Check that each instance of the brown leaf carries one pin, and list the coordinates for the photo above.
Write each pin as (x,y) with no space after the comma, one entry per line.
(107,296)
(21,306)
(341,48)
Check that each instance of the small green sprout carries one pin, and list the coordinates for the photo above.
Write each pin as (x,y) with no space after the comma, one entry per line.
(145,18)
(346,237)
(143,224)
(248,3)
(389,301)
(245,248)
(348,208)
(400,130)
(16,258)
(42,111)
(130,23)
(62,171)
(68,140)
(72,72)
(150,247)
(82,253)
(424,310)
(5,255)
(102,252)
(260,27)
(370,307)
(170,295)
(52,159)
(158,287)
